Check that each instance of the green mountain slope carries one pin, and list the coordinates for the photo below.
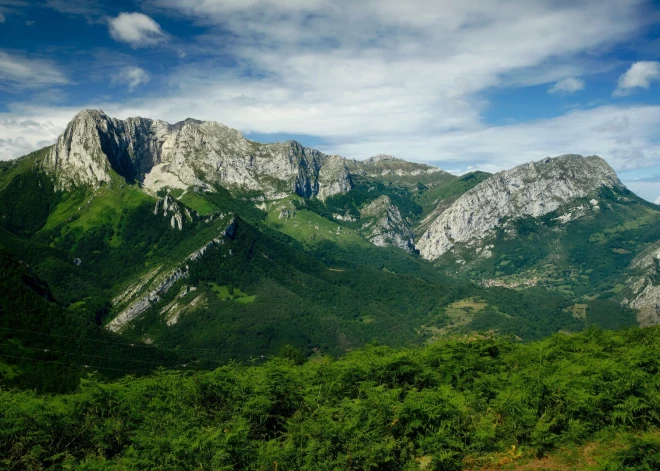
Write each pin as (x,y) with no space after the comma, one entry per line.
(582,250)
(47,347)
(265,286)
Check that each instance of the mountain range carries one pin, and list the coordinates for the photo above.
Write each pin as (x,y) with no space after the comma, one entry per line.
(193,245)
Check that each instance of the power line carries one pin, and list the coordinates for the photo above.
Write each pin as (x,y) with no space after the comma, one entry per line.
(71,364)
(48,350)
(133,345)
(136,345)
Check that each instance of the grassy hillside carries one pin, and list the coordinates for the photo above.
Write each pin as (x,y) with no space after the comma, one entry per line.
(46,347)
(430,197)
(586,401)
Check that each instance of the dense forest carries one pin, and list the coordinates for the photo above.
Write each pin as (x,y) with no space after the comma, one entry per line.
(582,401)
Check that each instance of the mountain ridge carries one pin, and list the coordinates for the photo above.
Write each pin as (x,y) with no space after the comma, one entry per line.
(531,189)
(199,153)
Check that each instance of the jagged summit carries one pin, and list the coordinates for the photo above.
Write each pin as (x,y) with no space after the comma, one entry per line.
(190,152)
(532,189)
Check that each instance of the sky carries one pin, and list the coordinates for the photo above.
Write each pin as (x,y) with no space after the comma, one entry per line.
(476,84)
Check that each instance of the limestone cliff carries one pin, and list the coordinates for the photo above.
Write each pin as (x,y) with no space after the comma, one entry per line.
(188,153)
(532,189)
(644,286)
(385,226)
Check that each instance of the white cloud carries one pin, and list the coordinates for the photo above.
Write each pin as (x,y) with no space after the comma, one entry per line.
(131,76)
(136,29)
(498,147)
(614,125)
(21,136)
(372,76)
(657,200)
(19,72)
(639,75)
(567,85)
(352,71)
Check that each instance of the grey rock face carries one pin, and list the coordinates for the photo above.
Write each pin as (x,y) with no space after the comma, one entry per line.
(386,226)
(645,286)
(177,212)
(160,283)
(189,153)
(532,189)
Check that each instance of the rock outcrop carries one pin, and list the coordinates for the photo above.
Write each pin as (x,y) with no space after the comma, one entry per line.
(532,189)
(159,282)
(393,168)
(188,153)
(175,211)
(381,165)
(645,286)
(385,226)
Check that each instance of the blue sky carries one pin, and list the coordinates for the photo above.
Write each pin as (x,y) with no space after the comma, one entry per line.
(485,84)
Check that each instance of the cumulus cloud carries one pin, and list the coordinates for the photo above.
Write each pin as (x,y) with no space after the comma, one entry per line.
(351,71)
(20,72)
(136,29)
(657,200)
(567,85)
(639,75)
(131,77)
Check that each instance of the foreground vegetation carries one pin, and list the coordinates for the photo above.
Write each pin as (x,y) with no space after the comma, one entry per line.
(470,403)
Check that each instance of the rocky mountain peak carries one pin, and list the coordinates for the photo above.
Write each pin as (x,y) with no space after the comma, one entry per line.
(188,153)
(531,189)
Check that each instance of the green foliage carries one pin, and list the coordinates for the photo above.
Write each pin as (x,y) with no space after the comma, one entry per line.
(26,202)
(46,343)
(291,353)
(241,204)
(641,454)
(444,405)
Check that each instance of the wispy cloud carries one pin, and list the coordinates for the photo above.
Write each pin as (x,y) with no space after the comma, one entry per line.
(136,29)
(639,75)
(353,71)
(567,85)
(21,72)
